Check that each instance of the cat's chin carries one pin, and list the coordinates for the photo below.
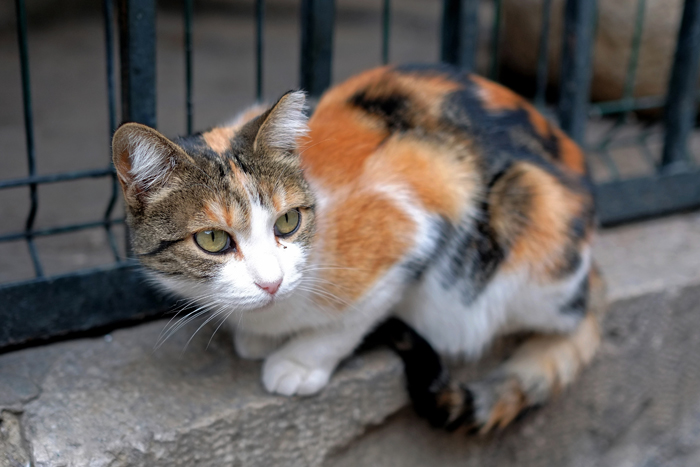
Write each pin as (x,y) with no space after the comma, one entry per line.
(265,304)
(269,305)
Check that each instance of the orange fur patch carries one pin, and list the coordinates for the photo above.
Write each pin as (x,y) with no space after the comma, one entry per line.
(219,139)
(338,144)
(551,209)
(554,361)
(497,97)
(511,402)
(278,202)
(366,235)
(443,183)
(571,154)
(342,137)
(226,217)
(239,177)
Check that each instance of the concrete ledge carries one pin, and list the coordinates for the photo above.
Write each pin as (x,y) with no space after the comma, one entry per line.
(114,401)
(637,405)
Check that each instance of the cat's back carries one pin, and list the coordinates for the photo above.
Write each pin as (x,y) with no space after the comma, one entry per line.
(396,152)
(446,135)
(438,105)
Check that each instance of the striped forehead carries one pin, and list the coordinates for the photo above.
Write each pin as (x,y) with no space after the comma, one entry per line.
(241,196)
(241,183)
(227,213)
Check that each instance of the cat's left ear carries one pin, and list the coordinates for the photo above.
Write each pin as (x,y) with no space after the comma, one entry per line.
(284,124)
(143,157)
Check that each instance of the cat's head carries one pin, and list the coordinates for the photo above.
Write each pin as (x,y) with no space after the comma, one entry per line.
(226,216)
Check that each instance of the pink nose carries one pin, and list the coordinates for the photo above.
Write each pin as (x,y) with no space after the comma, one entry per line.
(270,287)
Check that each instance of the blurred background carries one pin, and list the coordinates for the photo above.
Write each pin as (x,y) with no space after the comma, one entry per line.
(633,47)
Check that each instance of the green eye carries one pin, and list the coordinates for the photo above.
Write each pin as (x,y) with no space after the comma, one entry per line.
(212,241)
(287,223)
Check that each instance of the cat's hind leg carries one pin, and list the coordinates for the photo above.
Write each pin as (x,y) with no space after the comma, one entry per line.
(543,365)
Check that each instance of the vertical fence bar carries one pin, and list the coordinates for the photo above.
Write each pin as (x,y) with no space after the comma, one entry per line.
(317,26)
(108,15)
(460,33)
(28,132)
(543,55)
(188,6)
(259,45)
(681,107)
(137,44)
(496,39)
(386,30)
(628,91)
(579,19)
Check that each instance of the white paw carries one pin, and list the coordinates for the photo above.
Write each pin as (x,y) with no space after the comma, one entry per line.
(288,377)
(253,346)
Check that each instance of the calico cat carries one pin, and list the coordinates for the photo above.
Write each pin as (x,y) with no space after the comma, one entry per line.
(416,191)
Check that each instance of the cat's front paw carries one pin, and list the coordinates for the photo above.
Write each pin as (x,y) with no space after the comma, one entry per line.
(288,377)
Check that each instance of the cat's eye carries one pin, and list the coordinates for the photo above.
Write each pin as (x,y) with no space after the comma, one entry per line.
(213,241)
(287,223)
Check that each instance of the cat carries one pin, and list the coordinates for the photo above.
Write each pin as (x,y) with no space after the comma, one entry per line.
(416,191)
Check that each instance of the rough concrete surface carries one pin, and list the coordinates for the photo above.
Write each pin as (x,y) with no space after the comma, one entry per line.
(115,401)
(637,405)
(13,452)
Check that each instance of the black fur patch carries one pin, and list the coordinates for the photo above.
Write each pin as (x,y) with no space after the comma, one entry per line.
(196,146)
(571,263)
(426,377)
(502,136)
(578,303)
(415,268)
(473,257)
(392,109)
(551,143)
(578,228)
(162,246)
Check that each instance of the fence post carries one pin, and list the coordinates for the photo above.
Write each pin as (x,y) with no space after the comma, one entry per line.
(576,67)
(386,30)
(460,33)
(317,27)
(259,48)
(681,107)
(137,48)
(21,13)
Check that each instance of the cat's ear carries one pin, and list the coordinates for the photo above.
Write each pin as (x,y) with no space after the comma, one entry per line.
(284,124)
(144,158)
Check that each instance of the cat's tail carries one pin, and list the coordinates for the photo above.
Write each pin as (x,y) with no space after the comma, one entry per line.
(541,366)
(434,396)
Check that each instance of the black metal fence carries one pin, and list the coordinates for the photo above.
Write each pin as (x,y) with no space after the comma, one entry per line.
(46,307)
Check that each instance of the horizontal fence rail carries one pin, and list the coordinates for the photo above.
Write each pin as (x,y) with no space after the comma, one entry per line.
(46,307)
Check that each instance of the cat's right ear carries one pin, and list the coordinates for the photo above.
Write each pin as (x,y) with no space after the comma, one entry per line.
(144,159)
(284,124)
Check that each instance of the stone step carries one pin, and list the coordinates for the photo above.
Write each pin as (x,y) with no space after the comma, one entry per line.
(115,401)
